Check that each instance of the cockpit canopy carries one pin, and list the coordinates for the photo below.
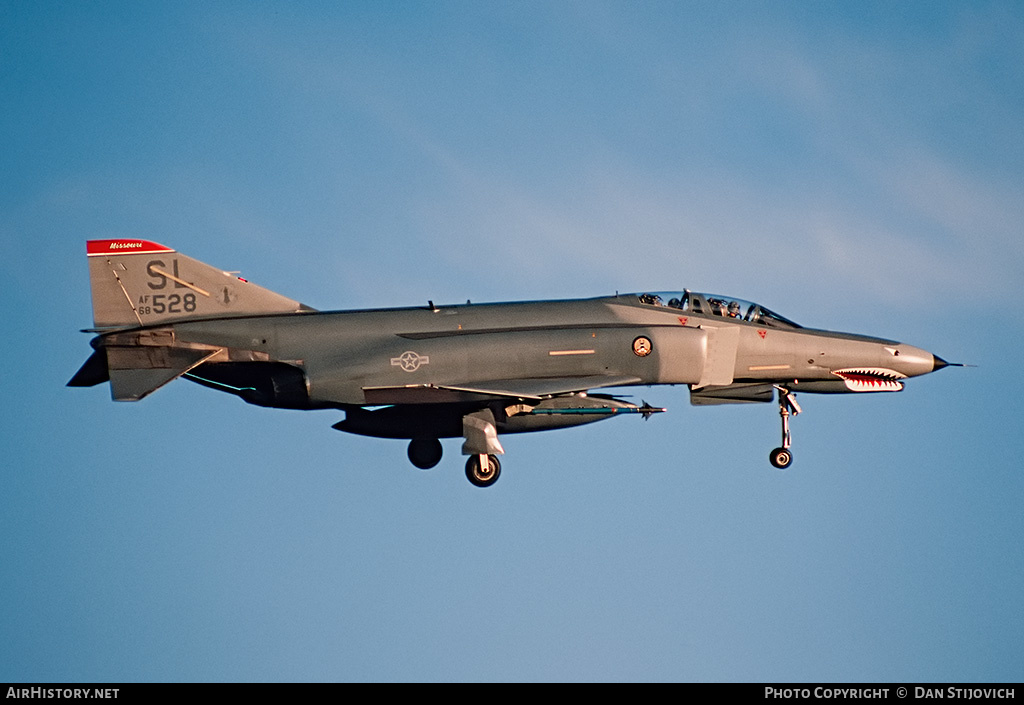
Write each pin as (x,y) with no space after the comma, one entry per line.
(715,305)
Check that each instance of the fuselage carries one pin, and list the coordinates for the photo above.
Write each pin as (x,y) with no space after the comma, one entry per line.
(344,353)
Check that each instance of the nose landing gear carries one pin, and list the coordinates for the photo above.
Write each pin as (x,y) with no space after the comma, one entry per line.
(782,457)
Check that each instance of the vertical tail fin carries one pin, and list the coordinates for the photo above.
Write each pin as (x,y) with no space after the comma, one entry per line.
(137,282)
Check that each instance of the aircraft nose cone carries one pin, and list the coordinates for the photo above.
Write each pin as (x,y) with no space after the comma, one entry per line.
(911,361)
(939,363)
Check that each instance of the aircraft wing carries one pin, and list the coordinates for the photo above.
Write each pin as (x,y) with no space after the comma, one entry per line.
(527,390)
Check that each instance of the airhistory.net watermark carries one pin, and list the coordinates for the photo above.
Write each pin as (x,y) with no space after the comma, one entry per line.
(62,693)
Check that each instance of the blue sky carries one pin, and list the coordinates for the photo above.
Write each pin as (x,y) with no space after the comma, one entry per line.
(855,166)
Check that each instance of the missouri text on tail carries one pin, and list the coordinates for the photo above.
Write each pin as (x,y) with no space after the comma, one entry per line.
(474,371)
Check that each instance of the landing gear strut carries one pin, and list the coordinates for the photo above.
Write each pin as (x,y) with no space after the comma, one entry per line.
(482,447)
(782,457)
(483,470)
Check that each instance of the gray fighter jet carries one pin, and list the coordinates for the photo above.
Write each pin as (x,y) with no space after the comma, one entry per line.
(473,371)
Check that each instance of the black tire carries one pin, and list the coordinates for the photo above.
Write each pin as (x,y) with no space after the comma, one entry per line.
(483,479)
(425,453)
(780,458)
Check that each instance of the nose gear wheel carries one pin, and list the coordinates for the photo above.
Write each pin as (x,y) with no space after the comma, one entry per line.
(782,457)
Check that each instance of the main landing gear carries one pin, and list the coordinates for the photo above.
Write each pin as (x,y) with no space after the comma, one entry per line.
(482,469)
(482,447)
(782,457)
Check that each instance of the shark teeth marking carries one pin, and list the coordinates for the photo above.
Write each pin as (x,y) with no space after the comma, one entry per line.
(871,379)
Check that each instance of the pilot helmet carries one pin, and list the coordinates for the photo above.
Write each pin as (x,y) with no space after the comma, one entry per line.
(734,308)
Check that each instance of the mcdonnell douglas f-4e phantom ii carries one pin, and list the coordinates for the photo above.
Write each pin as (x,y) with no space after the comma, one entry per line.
(473,371)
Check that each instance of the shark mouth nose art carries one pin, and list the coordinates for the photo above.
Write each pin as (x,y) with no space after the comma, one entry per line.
(871,379)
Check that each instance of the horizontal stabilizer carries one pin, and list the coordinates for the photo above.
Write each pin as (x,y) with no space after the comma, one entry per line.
(93,372)
(138,371)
